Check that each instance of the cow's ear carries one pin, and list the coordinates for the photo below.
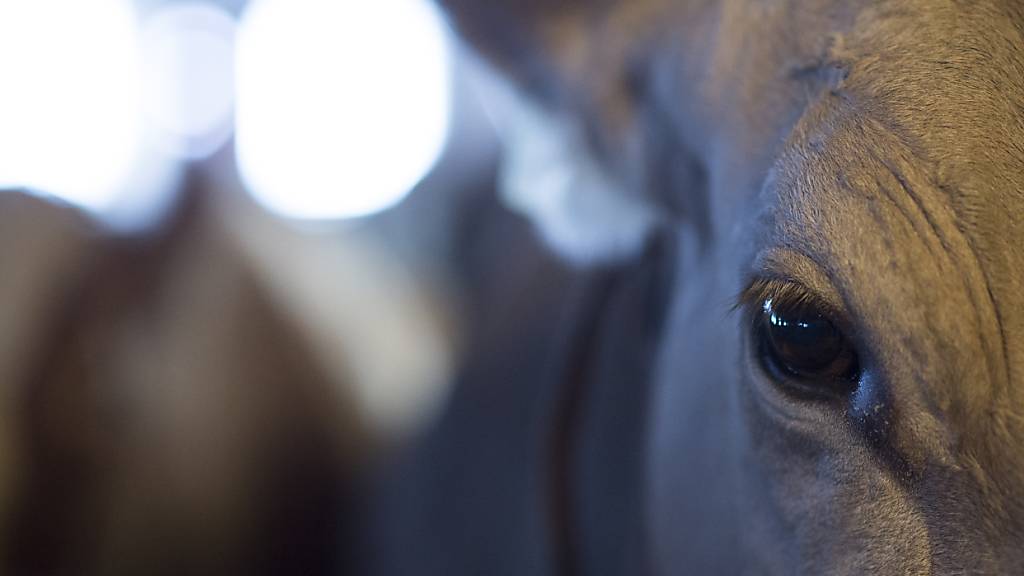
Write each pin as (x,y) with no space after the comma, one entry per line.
(557,86)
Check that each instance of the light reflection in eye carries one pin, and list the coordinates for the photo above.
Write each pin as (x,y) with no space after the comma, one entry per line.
(773,317)
(779,321)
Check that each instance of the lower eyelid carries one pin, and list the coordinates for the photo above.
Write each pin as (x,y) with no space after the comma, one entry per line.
(771,398)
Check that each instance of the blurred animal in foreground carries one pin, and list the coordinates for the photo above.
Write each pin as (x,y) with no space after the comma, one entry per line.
(802,348)
(184,401)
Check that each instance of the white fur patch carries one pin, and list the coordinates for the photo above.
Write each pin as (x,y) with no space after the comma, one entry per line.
(549,174)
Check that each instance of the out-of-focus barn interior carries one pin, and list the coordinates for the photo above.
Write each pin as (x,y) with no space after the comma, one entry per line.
(245,246)
(314,287)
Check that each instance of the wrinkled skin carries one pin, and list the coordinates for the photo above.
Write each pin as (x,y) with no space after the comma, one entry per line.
(871,152)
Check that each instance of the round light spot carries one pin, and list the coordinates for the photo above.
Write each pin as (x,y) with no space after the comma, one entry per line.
(189,78)
(70,121)
(343,106)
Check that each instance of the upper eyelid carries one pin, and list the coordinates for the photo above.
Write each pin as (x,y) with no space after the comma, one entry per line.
(784,293)
(793,277)
(759,290)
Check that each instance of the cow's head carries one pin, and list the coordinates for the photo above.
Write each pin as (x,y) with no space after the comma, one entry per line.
(853,174)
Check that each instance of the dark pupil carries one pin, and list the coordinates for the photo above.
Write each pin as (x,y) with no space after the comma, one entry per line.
(802,342)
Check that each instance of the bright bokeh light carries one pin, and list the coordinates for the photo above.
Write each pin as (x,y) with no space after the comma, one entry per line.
(70,120)
(342,106)
(188,49)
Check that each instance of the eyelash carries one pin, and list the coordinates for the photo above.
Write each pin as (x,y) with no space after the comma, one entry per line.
(782,293)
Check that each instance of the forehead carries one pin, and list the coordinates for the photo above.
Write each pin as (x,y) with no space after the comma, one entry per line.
(914,161)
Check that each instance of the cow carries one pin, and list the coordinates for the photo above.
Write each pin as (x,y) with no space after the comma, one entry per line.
(801,347)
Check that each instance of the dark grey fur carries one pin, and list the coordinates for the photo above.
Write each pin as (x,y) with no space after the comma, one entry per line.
(873,152)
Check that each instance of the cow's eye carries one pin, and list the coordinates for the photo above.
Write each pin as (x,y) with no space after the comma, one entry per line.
(802,348)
